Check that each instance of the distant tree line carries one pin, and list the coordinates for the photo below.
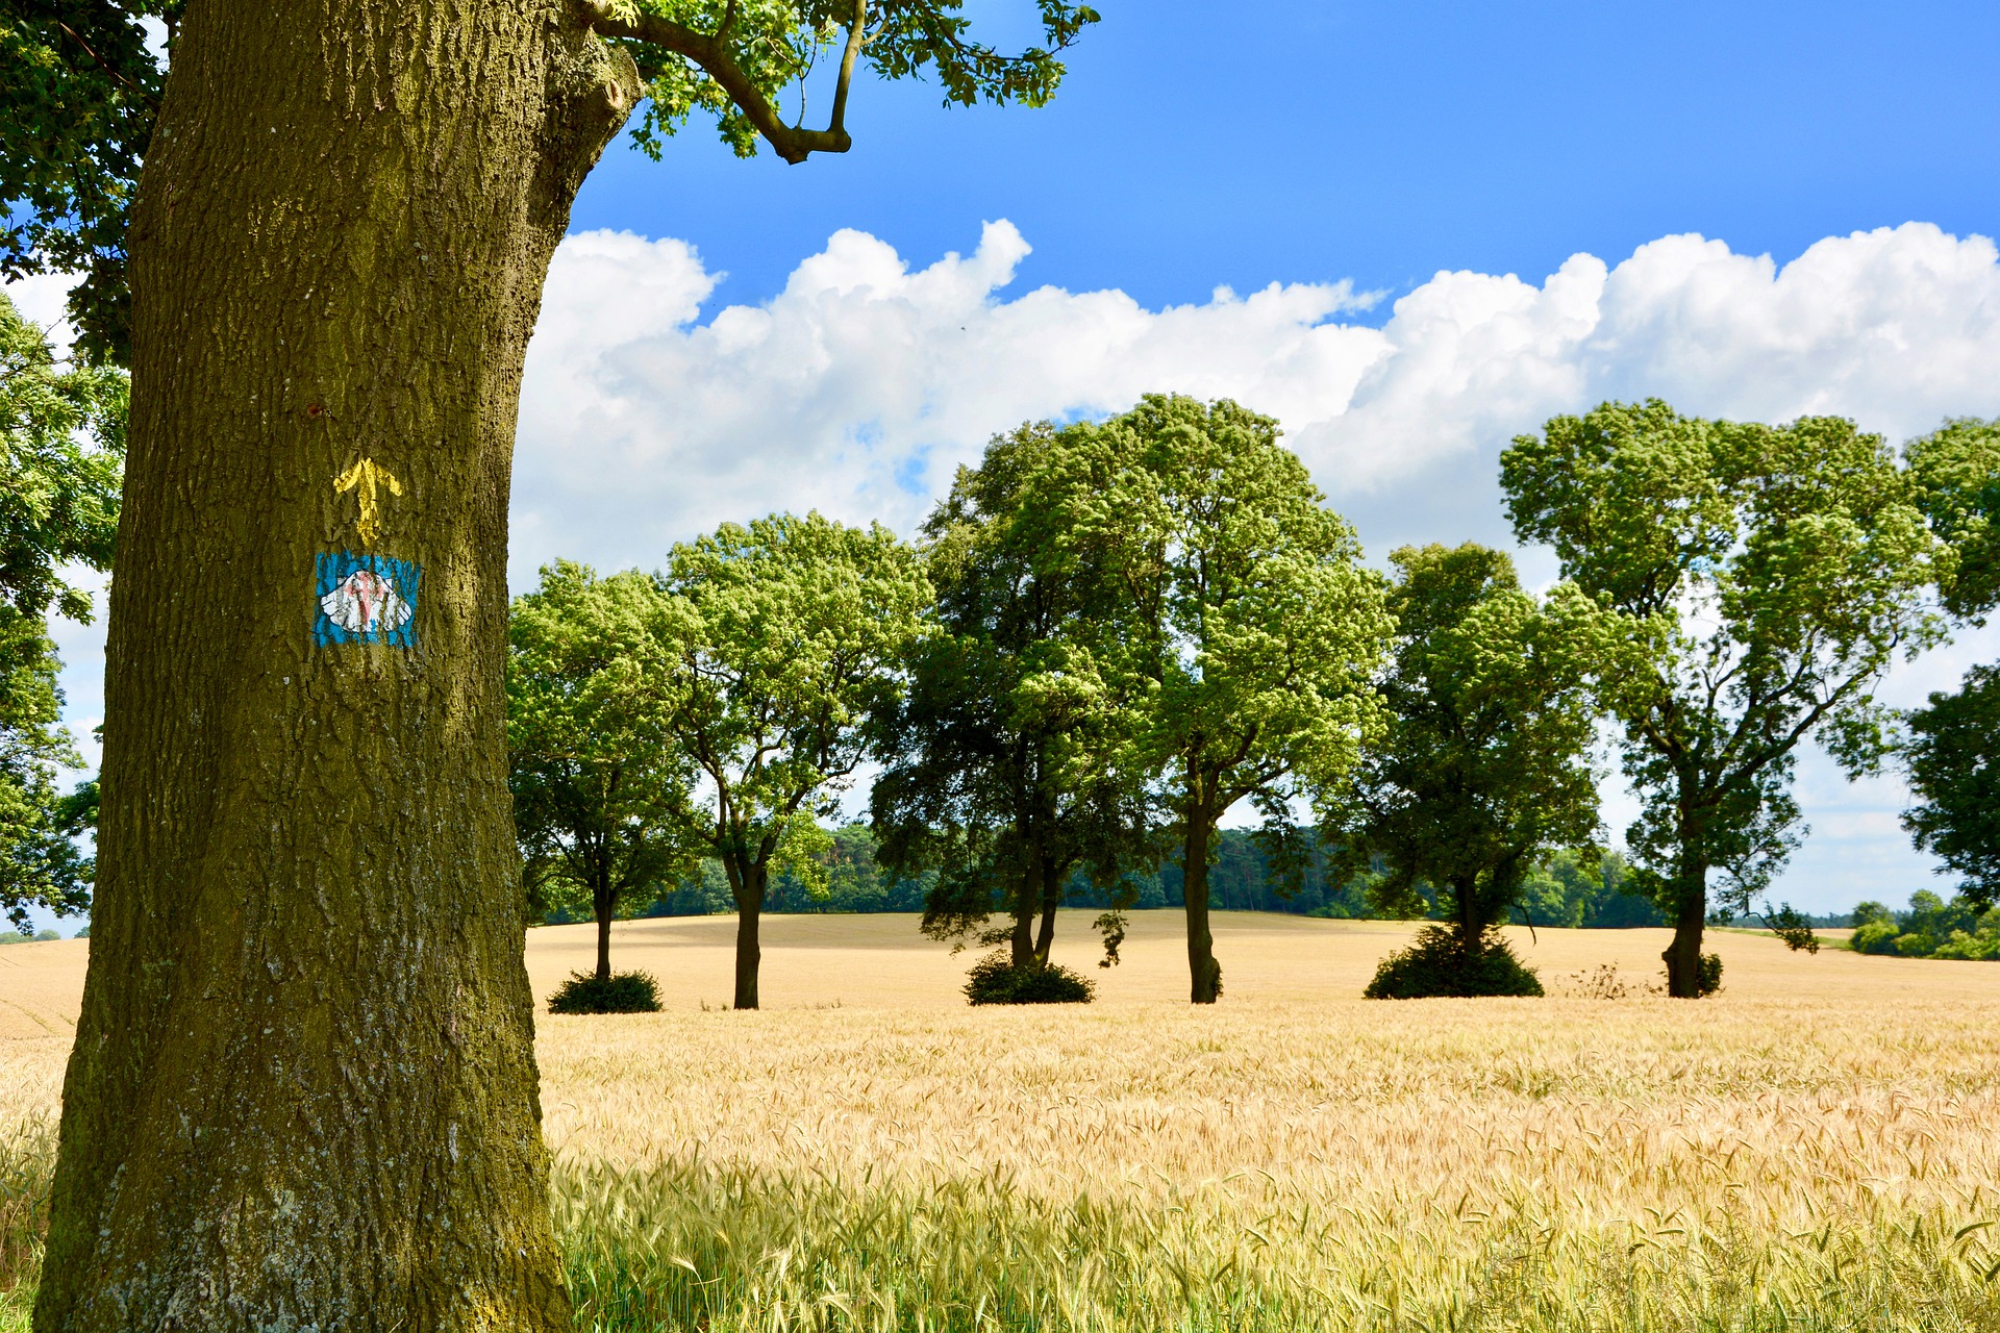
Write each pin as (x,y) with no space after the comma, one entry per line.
(1567,892)
(1966,927)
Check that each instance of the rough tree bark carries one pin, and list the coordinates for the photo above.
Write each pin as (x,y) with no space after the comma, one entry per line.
(1204,972)
(1683,953)
(754,880)
(303,1090)
(603,905)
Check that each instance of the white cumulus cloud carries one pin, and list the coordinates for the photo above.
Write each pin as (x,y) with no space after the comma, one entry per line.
(860,386)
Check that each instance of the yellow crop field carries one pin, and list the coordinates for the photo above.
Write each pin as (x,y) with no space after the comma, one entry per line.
(1816,1147)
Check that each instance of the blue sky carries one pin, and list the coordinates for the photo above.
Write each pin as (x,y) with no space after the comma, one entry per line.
(1380,142)
(1438,225)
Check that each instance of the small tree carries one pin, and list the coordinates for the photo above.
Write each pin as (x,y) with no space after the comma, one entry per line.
(1250,619)
(600,789)
(786,636)
(1791,564)
(1002,760)
(1484,768)
(62,440)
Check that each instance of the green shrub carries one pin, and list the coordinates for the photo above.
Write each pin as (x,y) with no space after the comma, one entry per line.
(1875,937)
(622,993)
(995,980)
(1980,947)
(1438,964)
(1708,974)
(1914,945)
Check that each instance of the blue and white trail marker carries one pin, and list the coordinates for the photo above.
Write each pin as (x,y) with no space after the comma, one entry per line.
(365,599)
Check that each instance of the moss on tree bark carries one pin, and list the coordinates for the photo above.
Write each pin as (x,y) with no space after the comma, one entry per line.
(303,1091)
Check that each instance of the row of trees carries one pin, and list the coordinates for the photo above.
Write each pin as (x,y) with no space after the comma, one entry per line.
(1114,632)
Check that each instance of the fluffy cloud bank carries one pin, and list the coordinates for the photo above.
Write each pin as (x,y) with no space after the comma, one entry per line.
(865,382)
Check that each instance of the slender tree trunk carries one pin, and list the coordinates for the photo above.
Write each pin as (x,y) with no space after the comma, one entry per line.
(1204,972)
(1021,941)
(1683,955)
(601,903)
(1045,938)
(303,1090)
(749,910)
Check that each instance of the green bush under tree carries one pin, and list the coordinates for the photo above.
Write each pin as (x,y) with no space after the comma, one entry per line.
(996,979)
(619,993)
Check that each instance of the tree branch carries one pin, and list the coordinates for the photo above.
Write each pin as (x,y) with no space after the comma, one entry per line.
(793,143)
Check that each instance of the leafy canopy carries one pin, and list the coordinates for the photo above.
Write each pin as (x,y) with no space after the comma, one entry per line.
(1789,566)
(1957,474)
(62,450)
(1252,620)
(62,433)
(786,635)
(1484,768)
(1953,756)
(599,785)
(1002,759)
(80,86)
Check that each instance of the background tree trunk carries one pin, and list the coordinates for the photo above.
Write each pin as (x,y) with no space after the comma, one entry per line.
(303,1090)
(1021,941)
(1204,973)
(1683,955)
(602,902)
(748,953)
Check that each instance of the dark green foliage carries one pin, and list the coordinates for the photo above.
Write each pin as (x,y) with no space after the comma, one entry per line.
(995,980)
(1484,770)
(1965,928)
(1708,975)
(1001,761)
(1438,964)
(78,93)
(1953,757)
(620,993)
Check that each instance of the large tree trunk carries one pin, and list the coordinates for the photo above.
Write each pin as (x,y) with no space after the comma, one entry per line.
(749,910)
(1683,955)
(303,1090)
(1204,972)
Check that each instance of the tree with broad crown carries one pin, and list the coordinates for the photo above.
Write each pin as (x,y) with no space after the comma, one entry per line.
(1953,757)
(1791,564)
(1251,625)
(1002,759)
(61,442)
(306,939)
(786,637)
(599,785)
(1484,770)
(1953,749)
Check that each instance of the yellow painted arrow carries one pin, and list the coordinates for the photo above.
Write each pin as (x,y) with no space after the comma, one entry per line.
(365,476)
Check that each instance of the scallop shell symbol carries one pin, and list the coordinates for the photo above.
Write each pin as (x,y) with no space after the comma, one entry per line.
(366,603)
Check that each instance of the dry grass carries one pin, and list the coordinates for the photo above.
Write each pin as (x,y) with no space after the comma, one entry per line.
(1816,1147)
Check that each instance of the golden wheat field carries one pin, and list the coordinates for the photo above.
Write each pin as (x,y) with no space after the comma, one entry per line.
(1818,1146)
